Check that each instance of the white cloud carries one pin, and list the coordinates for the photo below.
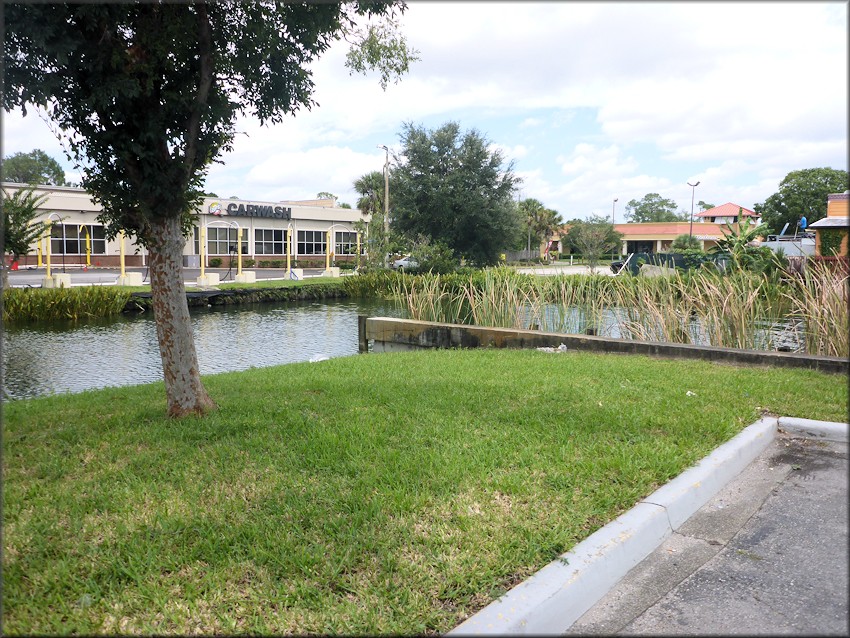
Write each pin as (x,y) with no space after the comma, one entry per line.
(734,94)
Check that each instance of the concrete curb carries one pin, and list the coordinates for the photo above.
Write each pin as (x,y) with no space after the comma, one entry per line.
(555,597)
(815,429)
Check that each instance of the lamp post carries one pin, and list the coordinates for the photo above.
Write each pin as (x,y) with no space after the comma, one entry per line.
(612,210)
(693,190)
(331,245)
(50,280)
(386,205)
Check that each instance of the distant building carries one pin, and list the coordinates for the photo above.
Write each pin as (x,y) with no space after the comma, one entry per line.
(831,231)
(728,213)
(269,230)
(707,228)
(656,237)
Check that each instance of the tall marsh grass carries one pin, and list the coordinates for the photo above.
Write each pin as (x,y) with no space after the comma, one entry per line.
(742,310)
(819,296)
(51,304)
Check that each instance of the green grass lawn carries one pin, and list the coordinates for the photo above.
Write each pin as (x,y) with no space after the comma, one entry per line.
(259,283)
(384,493)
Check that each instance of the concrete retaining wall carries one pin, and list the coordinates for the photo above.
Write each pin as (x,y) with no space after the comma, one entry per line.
(389,334)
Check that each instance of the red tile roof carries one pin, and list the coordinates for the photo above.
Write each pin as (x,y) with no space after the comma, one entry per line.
(660,230)
(727,210)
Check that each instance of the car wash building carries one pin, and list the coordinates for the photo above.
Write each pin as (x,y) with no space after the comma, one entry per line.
(308,232)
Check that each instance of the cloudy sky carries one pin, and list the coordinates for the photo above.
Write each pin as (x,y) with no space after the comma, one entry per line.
(592,101)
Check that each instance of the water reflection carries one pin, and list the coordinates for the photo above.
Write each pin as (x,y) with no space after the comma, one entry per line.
(68,357)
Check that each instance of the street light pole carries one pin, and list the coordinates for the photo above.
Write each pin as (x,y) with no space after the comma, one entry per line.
(612,210)
(386,205)
(693,190)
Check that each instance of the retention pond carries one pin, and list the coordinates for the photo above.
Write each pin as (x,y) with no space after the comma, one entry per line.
(71,357)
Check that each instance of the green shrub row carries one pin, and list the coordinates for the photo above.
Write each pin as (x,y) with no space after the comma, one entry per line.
(50,304)
(247,262)
(142,302)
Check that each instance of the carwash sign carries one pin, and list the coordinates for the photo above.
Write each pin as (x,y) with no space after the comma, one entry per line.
(251,210)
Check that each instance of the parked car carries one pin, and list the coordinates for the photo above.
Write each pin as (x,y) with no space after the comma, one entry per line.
(405,263)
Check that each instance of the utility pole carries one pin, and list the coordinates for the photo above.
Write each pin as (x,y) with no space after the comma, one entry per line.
(693,190)
(386,206)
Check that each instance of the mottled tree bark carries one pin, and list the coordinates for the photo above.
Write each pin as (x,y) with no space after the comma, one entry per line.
(184,390)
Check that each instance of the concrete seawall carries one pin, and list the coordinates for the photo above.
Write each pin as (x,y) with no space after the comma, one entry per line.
(389,334)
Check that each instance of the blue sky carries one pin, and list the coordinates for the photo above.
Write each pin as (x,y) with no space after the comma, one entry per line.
(591,100)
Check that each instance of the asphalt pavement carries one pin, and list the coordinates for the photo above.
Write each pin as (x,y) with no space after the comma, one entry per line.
(767,555)
(32,277)
(753,540)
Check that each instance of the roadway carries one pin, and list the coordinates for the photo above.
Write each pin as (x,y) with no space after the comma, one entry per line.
(32,277)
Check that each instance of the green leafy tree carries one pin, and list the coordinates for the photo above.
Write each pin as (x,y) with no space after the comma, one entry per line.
(325,195)
(738,242)
(452,188)
(540,222)
(703,206)
(35,167)
(802,193)
(686,242)
(152,92)
(653,208)
(20,226)
(370,187)
(433,256)
(593,238)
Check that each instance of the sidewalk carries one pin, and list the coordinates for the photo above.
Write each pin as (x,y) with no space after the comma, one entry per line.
(752,540)
(559,268)
(767,555)
(33,277)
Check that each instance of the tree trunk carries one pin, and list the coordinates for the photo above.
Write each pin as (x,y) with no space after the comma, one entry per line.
(183,388)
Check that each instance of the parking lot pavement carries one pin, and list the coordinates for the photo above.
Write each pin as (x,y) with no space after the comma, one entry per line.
(767,555)
(557,269)
(33,277)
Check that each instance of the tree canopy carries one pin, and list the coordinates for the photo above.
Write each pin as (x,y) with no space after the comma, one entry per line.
(20,224)
(35,167)
(686,242)
(540,222)
(149,95)
(653,208)
(802,193)
(370,187)
(451,187)
(592,238)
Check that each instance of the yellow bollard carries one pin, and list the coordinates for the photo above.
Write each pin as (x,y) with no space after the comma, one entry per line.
(328,253)
(121,252)
(238,251)
(357,234)
(203,246)
(288,249)
(88,244)
(48,249)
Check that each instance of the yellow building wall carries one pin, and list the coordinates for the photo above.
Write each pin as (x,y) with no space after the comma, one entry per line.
(836,208)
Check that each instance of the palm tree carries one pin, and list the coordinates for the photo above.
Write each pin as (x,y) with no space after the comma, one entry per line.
(540,221)
(370,187)
(737,241)
(19,225)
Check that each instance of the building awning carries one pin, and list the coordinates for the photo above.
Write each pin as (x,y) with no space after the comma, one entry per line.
(831,222)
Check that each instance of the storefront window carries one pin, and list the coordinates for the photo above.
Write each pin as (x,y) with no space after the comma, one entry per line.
(270,241)
(222,241)
(70,239)
(312,242)
(346,243)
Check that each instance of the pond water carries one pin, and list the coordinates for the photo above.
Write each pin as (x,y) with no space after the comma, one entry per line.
(72,357)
